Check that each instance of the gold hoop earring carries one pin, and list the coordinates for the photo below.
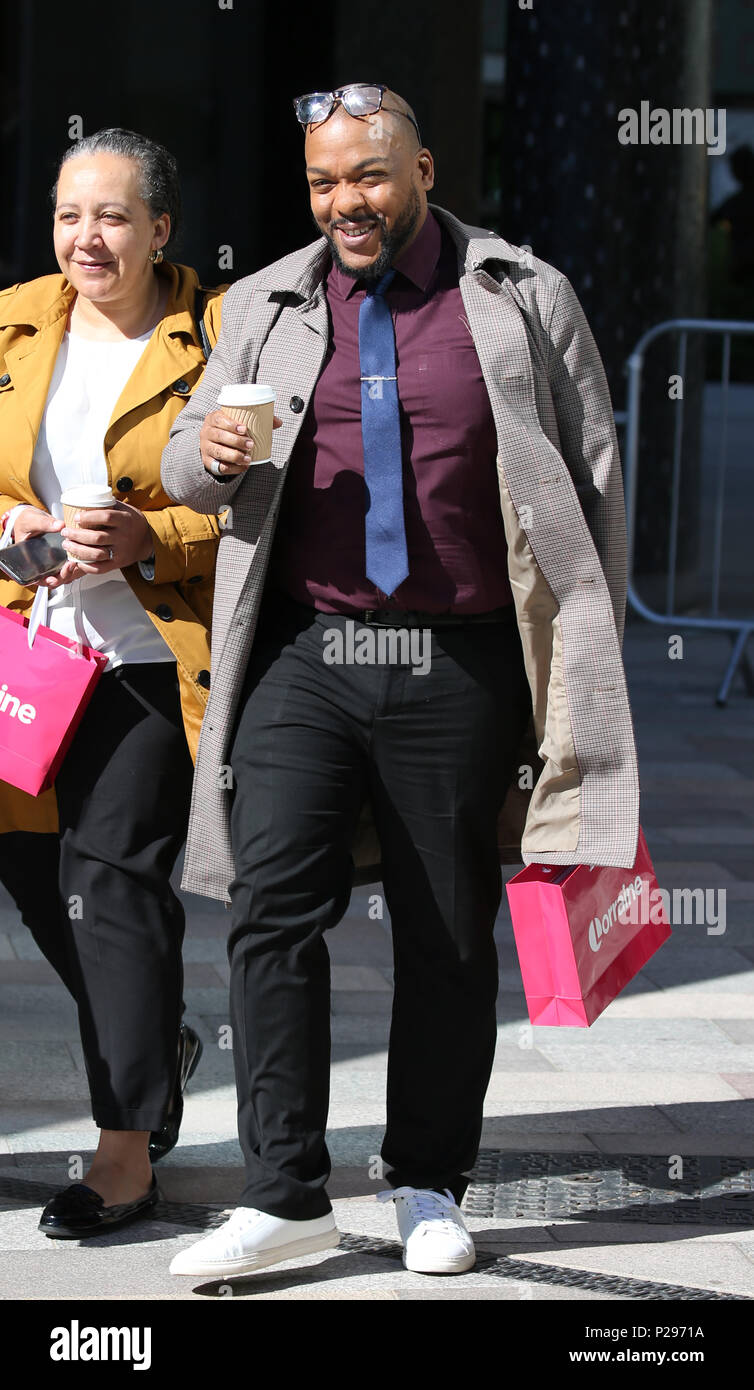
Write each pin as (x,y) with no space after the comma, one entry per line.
(156,256)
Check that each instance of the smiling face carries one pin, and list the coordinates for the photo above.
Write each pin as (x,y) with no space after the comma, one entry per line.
(368,183)
(103,229)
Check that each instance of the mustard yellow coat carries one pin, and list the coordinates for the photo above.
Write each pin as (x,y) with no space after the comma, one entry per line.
(33,319)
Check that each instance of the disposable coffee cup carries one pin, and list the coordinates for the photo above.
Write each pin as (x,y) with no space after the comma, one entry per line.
(252,405)
(85,498)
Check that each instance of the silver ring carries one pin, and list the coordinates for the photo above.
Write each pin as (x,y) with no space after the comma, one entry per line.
(110,552)
(215,469)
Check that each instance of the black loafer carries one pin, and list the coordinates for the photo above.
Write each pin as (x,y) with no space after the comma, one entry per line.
(161,1141)
(79,1211)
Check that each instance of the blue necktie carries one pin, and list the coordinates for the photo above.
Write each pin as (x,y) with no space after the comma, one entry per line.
(386,555)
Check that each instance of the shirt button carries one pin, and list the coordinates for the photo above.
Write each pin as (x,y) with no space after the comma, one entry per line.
(164,611)
(124,484)
(296,404)
(4,379)
(196,578)
(182,387)
(203,679)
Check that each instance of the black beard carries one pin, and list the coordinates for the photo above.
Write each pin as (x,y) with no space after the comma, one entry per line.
(392,243)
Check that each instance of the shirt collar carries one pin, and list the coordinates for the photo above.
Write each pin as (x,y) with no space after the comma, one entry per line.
(418,262)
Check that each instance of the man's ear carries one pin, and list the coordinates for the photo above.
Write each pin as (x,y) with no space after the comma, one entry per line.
(426,169)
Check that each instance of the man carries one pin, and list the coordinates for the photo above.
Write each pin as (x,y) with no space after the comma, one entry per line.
(446,461)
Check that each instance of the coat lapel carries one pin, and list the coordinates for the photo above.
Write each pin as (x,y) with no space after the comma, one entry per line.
(31,364)
(167,358)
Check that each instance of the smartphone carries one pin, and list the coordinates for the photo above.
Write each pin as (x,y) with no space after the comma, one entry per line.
(35,558)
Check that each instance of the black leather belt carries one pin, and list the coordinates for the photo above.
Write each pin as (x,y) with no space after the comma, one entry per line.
(410,617)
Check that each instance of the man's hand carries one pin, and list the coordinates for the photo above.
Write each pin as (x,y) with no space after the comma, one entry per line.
(226,443)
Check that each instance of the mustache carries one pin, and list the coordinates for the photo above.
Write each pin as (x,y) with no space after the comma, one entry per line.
(354,221)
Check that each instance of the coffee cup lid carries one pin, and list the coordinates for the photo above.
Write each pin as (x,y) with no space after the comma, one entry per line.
(246,393)
(87,495)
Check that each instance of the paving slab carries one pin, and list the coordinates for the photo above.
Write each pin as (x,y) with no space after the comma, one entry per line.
(718,1267)
(612,1030)
(548,1091)
(676,1003)
(667,1142)
(29,972)
(614,1057)
(363,1001)
(59,1024)
(513,1290)
(742,1082)
(737,1118)
(580,1234)
(359,977)
(501,1133)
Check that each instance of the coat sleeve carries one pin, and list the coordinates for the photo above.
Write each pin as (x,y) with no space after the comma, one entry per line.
(185,542)
(184,476)
(588,441)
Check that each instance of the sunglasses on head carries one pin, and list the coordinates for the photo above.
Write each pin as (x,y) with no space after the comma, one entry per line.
(358,99)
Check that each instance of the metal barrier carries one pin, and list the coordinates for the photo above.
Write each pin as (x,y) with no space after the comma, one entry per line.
(738,629)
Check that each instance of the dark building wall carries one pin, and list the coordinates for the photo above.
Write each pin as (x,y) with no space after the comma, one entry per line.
(431,52)
(626,223)
(216,85)
(202,80)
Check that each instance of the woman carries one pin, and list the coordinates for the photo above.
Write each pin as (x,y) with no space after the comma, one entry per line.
(95,364)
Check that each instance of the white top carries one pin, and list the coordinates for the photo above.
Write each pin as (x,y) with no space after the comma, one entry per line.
(99,609)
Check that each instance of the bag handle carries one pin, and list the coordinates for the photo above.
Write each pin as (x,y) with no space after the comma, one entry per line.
(39,607)
(10,520)
(200,307)
(38,613)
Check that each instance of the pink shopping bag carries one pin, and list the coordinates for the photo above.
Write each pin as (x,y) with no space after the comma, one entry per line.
(582,933)
(44,690)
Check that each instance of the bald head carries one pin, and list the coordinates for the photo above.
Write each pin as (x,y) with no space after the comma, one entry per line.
(397,105)
(394,115)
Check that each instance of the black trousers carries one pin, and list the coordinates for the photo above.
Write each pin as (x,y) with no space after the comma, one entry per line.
(434,753)
(110,924)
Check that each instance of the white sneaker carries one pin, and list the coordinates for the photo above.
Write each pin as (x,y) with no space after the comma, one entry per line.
(433,1231)
(251,1240)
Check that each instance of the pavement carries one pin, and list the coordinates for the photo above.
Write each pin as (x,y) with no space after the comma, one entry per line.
(617,1162)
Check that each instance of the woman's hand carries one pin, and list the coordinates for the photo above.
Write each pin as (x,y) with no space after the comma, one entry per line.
(107,539)
(226,444)
(32,521)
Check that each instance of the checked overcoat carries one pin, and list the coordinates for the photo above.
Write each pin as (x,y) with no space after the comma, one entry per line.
(575,795)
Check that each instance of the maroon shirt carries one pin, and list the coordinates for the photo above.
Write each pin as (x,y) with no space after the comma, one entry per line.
(454,530)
